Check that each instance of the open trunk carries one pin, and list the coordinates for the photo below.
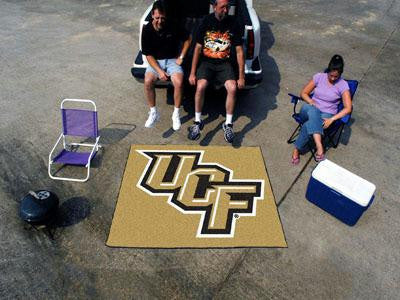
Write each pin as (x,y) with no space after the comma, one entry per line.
(190,14)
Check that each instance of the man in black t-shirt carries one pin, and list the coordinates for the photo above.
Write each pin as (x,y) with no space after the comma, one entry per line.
(161,44)
(217,35)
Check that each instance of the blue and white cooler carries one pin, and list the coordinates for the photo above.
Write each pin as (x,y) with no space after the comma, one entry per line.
(339,192)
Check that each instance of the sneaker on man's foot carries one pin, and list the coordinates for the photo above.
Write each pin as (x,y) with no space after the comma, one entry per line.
(194,130)
(176,122)
(228,132)
(154,116)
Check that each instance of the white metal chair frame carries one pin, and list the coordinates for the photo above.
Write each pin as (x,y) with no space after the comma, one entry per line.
(95,147)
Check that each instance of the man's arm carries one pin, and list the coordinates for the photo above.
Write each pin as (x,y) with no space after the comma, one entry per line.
(195,61)
(185,49)
(240,60)
(154,64)
(147,50)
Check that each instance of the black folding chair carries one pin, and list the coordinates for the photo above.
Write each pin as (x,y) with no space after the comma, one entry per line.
(333,133)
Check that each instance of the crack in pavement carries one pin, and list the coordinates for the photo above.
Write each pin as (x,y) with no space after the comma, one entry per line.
(380,51)
(233,270)
(240,260)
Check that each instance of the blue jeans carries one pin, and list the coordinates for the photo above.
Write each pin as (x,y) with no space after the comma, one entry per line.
(168,65)
(313,118)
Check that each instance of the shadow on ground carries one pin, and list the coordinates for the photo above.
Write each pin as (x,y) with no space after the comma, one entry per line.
(115,132)
(72,211)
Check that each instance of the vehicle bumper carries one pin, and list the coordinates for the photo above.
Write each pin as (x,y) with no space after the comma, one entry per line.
(252,77)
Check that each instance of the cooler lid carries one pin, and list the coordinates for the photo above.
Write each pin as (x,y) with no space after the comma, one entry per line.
(344,182)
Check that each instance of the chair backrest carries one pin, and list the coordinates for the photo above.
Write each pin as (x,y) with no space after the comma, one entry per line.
(79,122)
(353,84)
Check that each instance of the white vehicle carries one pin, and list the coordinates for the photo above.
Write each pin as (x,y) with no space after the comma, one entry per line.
(192,14)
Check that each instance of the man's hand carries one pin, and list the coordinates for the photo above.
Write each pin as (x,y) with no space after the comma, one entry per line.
(192,79)
(327,123)
(240,83)
(179,61)
(163,75)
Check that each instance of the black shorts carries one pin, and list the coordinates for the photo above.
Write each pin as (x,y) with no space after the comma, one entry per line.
(216,73)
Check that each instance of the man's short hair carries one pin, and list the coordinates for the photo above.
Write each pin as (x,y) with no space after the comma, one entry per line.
(215,2)
(160,6)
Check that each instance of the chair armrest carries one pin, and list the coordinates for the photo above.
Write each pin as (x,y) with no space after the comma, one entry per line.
(295,99)
(52,150)
(95,147)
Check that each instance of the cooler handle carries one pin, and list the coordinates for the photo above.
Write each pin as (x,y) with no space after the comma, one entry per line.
(333,191)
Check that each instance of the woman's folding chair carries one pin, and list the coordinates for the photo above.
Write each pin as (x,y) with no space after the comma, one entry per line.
(333,133)
(76,122)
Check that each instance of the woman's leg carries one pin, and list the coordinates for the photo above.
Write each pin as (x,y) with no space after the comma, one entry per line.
(301,140)
(312,126)
(318,143)
(318,135)
(303,137)
(307,111)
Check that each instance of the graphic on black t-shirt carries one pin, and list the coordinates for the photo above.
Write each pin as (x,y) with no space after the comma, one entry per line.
(217,44)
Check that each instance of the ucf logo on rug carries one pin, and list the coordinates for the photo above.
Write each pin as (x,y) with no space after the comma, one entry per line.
(195,197)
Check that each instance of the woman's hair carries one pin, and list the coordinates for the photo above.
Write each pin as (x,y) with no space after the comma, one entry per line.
(336,64)
(160,6)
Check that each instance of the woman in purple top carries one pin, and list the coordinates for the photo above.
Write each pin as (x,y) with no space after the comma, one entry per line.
(321,109)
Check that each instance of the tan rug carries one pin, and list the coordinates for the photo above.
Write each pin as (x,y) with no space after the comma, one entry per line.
(195,197)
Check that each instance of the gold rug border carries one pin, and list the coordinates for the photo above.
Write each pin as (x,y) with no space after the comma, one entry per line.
(196,248)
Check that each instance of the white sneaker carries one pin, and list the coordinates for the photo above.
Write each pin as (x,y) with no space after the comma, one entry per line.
(152,119)
(176,122)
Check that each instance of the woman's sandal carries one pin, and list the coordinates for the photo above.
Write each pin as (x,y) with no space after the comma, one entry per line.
(319,157)
(295,160)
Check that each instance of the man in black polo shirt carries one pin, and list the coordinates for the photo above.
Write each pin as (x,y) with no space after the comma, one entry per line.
(161,42)
(217,34)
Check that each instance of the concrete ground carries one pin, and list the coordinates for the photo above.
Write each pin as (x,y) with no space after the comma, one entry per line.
(50,50)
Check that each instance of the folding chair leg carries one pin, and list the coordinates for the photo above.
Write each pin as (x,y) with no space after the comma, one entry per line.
(330,140)
(335,144)
(295,133)
(312,148)
(67,178)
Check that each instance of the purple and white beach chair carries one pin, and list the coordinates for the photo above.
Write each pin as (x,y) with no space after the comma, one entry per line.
(76,123)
